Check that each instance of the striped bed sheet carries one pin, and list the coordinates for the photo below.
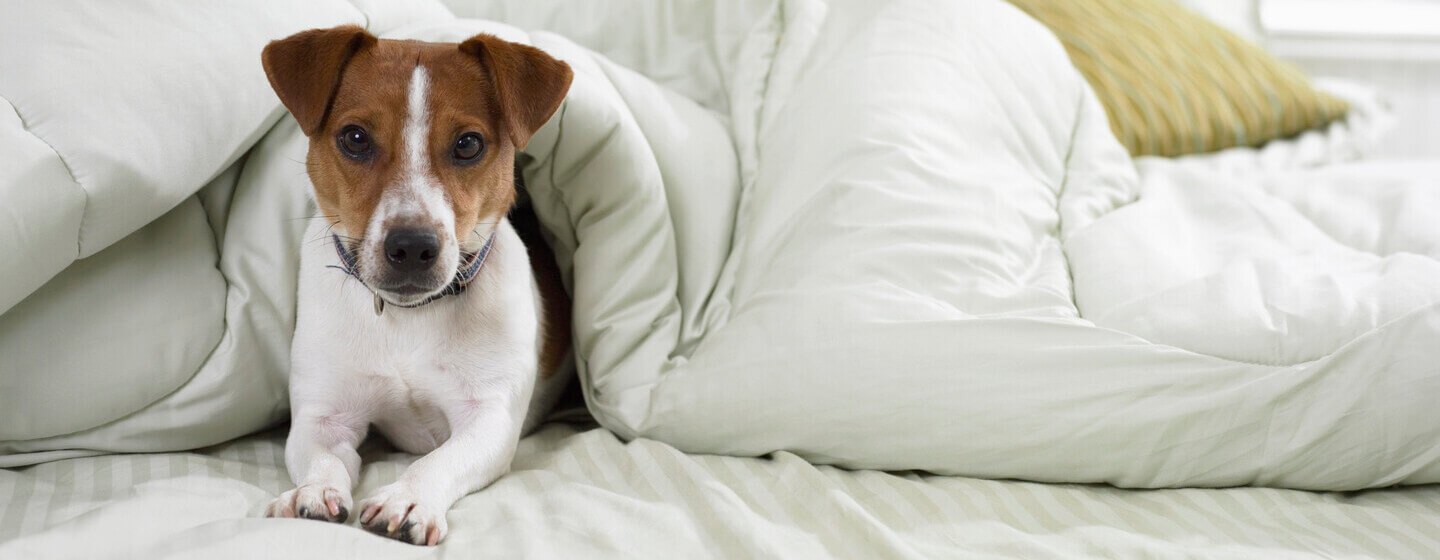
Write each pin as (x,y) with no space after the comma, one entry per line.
(579,492)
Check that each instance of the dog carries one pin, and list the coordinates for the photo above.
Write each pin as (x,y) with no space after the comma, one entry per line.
(421,308)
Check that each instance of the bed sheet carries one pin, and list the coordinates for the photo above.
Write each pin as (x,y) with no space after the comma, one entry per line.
(579,492)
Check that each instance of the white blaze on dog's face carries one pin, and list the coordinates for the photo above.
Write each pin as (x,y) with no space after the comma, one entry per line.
(412,144)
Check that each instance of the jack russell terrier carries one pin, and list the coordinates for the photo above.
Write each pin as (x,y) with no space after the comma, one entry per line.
(420,309)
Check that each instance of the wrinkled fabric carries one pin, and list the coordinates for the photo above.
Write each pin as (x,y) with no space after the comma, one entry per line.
(941,259)
(580,492)
(885,235)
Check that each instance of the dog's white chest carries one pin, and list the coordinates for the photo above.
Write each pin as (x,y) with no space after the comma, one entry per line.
(407,370)
(409,418)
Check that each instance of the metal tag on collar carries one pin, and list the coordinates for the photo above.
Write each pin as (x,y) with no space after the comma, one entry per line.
(379,305)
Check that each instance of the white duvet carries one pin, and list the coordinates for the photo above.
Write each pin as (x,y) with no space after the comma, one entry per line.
(941,259)
(893,235)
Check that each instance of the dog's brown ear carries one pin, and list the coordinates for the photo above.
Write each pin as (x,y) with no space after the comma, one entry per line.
(530,84)
(305,69)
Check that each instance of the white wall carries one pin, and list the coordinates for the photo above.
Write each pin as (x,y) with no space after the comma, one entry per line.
(1411,87)
(1392,45)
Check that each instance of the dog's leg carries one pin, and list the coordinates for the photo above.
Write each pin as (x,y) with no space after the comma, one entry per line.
(482,443)
(321,457)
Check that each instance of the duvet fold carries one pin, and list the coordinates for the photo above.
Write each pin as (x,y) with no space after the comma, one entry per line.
(884,235)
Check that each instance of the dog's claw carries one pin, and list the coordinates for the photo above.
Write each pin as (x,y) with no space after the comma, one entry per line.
(332,504)
(394,512)
(368,512)
(311,502)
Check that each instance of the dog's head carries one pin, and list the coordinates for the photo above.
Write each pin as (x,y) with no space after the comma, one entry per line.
(412,144)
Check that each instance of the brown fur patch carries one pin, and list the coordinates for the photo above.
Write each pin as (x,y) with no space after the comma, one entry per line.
(305,68)
(530,83)
(333,78)
(556,343)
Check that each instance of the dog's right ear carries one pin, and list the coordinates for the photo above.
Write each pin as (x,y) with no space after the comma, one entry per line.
(530,84)
(305,69)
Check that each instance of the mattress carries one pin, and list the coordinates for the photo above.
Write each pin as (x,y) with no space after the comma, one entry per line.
(579,492)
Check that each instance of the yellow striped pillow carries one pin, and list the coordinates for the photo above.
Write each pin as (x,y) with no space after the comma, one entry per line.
(1174,83)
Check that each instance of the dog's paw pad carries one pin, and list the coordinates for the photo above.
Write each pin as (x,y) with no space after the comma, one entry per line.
(312,501)
(394,512)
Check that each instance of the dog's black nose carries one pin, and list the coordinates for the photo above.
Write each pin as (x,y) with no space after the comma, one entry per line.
(411,250)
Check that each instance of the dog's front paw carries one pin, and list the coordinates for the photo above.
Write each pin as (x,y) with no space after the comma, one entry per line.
(312,501)
(395,512)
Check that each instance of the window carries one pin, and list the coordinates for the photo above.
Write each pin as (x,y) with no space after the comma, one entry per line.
(1391,19)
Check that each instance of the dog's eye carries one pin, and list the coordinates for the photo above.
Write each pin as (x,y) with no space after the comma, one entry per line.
(468,147)
(354,142)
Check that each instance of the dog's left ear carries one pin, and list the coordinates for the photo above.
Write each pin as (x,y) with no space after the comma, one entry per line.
(305,70)
(530,84)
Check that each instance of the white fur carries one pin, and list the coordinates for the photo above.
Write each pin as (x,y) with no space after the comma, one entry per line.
(453,379)
(418,198)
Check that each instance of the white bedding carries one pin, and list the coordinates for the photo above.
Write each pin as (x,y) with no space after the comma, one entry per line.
(580,492)
(893,235)
(876,234)
(941,259)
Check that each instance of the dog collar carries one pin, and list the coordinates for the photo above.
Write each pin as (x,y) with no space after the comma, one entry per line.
(463,276)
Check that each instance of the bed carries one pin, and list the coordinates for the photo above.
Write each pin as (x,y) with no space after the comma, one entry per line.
(893,321)
(579,492)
